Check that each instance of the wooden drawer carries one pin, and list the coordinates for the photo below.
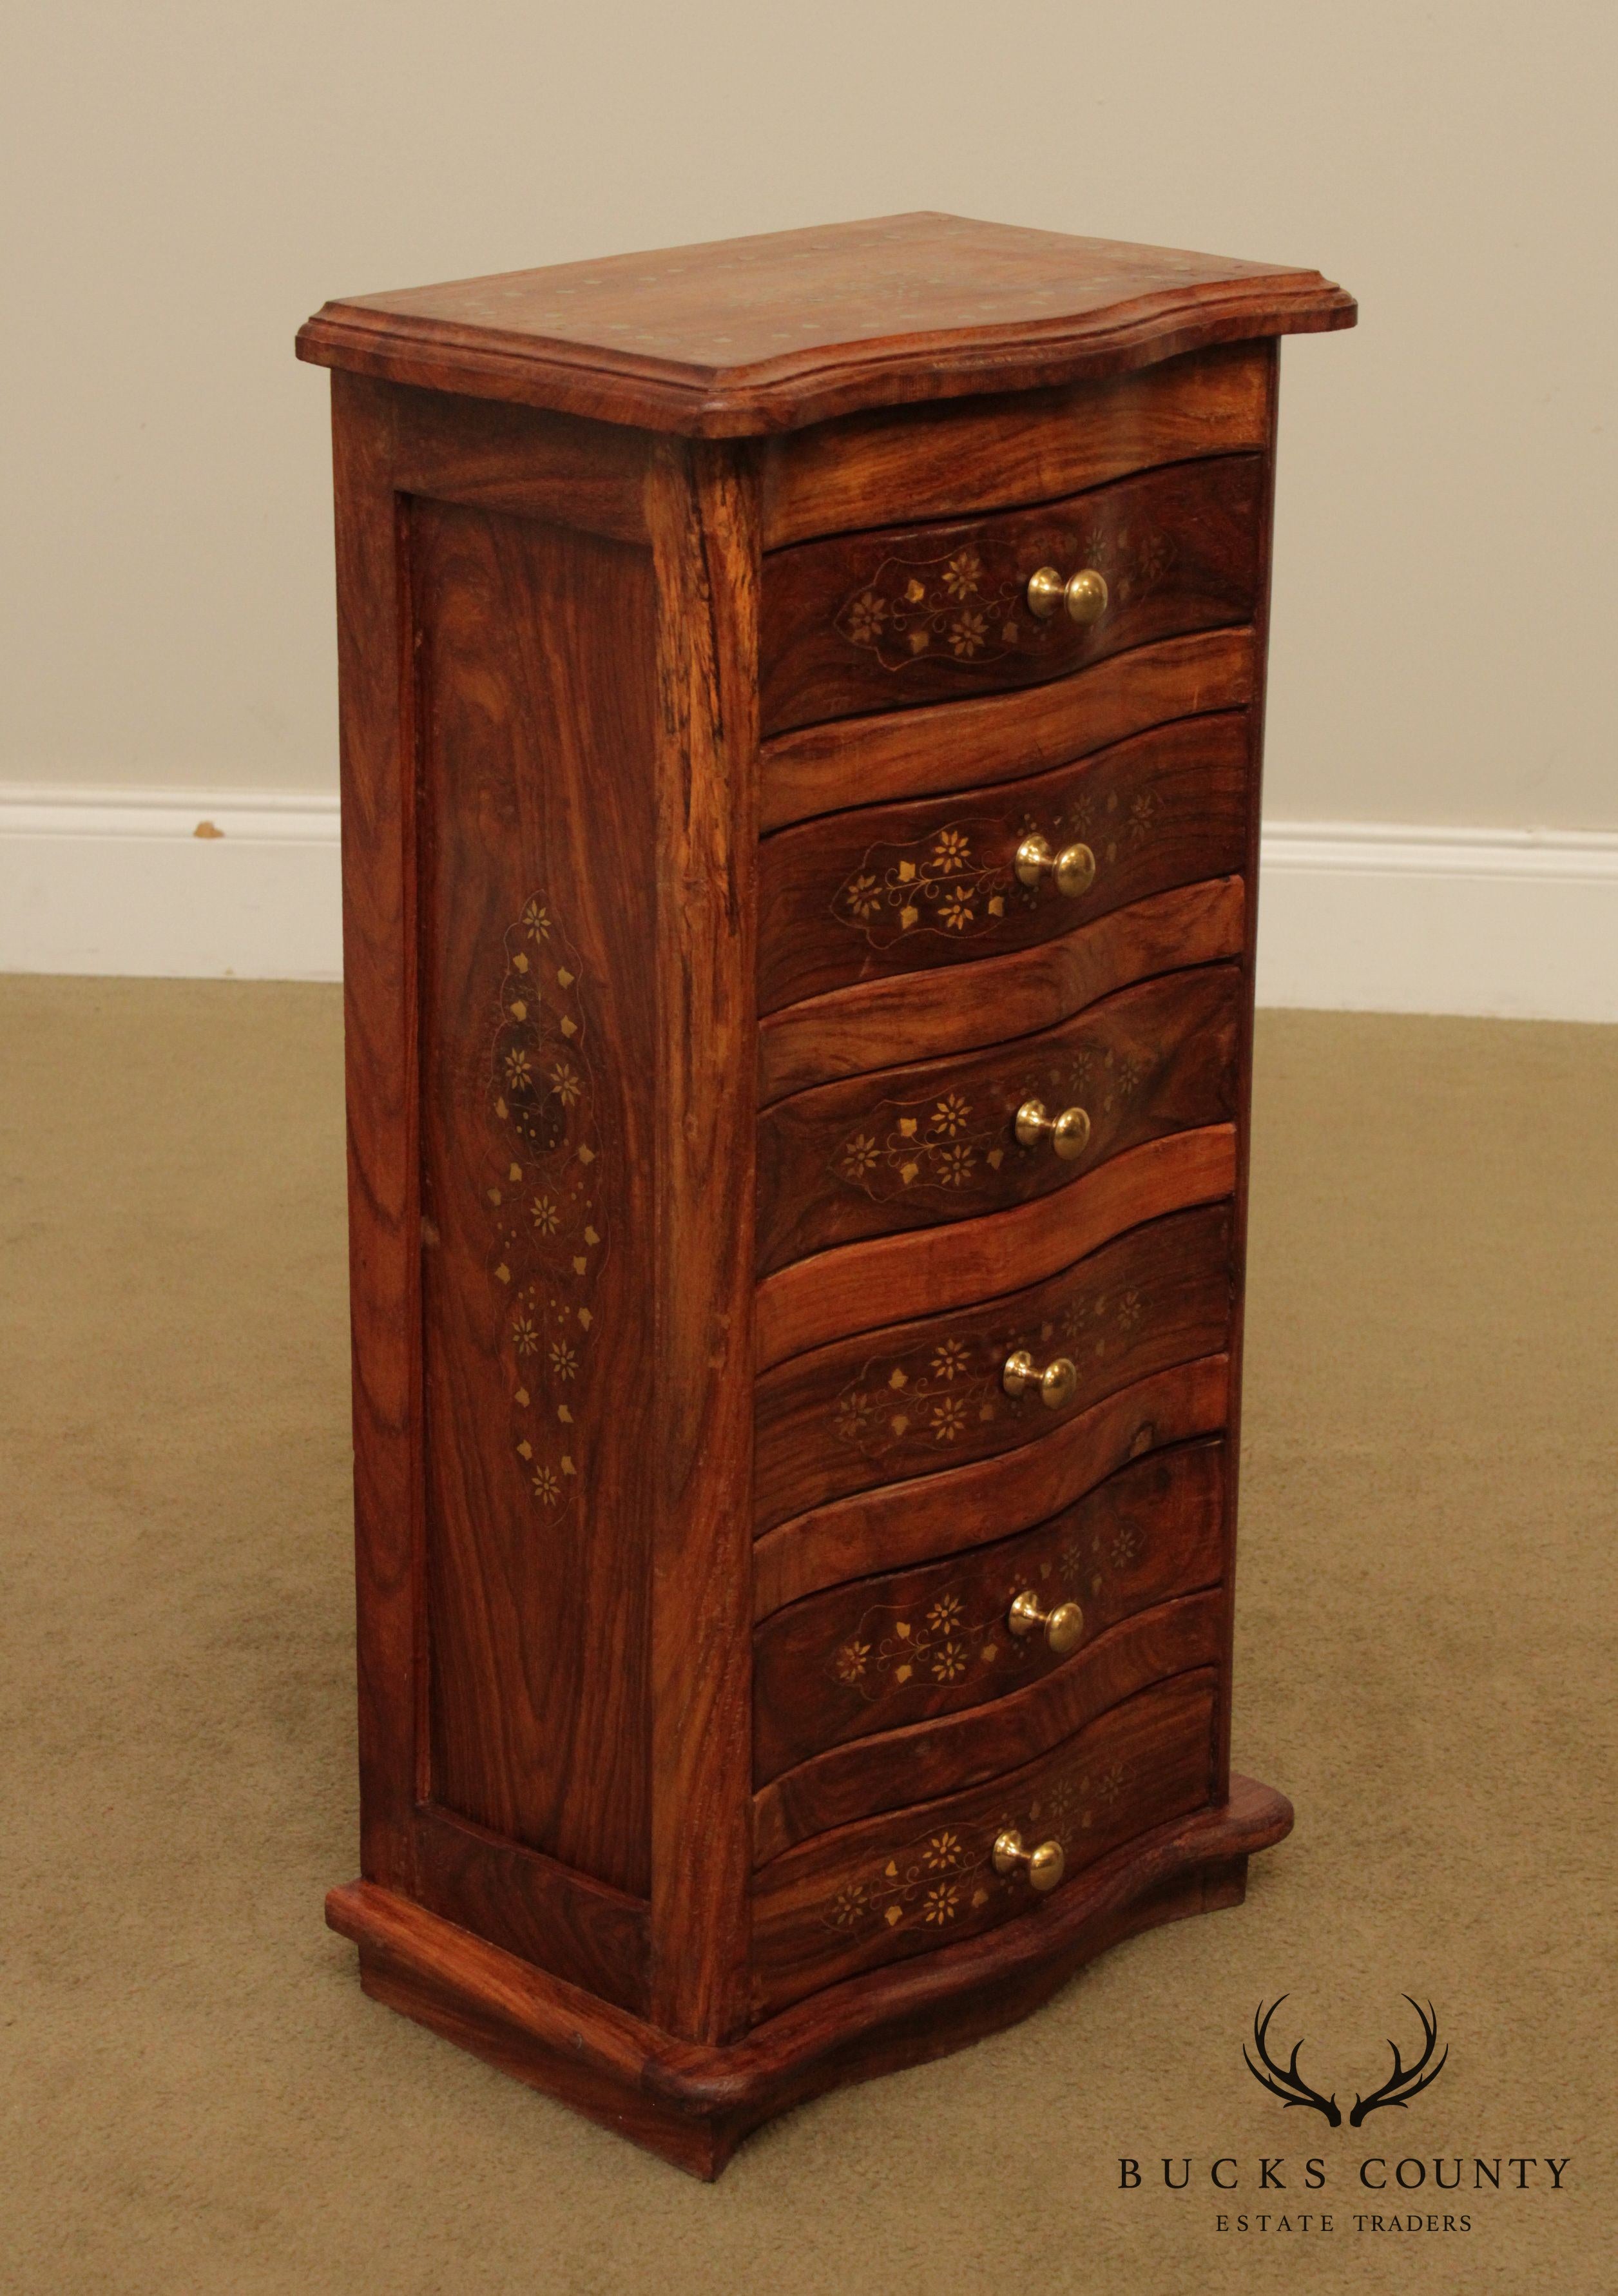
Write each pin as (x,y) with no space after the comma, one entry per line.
(898,1885)
(878,1024)
(894,464)
(913,1397)
(1002,737)
(882,1653)
(899,1525)
(898,1768)
(889,889)
(917,1146)
(910,614)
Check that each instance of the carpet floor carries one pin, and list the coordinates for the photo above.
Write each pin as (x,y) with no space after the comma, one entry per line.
(197,2097)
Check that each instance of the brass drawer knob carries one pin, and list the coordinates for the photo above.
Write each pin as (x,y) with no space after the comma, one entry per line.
(1043,1865)
(1069,1134)
(1056,1383)
(1073,869)
(1084,594)
(1062,1627)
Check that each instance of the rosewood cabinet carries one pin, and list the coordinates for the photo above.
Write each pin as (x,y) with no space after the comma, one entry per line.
(800,709)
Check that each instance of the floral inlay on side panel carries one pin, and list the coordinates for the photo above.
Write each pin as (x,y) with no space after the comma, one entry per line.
(545,1200)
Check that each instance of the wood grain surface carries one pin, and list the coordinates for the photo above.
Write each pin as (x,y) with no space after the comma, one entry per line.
(925,1759)
(897,464)
(898,1402)
(903,1883)
(765,333)
(1000,737)
(693,2104)
(553,1027)
(376,739)
(851,1289)
(878,1024)
(704,514)
(935,1140)
(580,1929)
(903,1647)
(1255,774)
(536,1144)
(958,1508)
(911,614)
(909,888)
(486,456)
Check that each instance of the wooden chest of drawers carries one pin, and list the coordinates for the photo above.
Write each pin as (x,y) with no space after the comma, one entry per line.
(800,704)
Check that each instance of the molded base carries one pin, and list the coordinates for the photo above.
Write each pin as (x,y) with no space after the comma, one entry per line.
(692,2103)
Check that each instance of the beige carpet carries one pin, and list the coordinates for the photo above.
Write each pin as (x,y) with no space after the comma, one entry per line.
(198,2098)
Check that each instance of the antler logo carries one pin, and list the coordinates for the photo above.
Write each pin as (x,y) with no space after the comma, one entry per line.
(1286,2082)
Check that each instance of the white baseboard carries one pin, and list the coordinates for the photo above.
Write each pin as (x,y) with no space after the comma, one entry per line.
(1509,924)
(187,884)
(1354,917)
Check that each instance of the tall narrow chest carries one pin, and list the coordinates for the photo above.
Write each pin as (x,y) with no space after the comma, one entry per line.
(801,708)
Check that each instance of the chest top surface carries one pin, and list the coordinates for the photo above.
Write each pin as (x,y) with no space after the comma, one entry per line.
(769,332)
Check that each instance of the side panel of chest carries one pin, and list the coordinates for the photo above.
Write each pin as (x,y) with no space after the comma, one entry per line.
(534,1033)
(512,594)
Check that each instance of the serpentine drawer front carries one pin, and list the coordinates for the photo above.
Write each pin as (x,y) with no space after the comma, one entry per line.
(882,1653)
(900,1885)
(800,712)
(902,887)
(945,1140)
(912,1398)
(928,613)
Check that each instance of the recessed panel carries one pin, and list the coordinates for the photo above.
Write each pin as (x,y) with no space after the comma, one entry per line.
(536,1043)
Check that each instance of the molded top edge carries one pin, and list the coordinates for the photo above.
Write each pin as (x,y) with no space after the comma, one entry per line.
(739,336)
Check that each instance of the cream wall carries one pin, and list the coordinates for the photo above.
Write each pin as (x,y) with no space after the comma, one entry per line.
(189,181)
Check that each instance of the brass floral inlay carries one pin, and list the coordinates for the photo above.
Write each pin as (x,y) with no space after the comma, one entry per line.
(1104,1078)
(945,1392)
(1111,822)
(946,1141)
(930,1397)
(946,882)
(543,1194)
(947,1640)
(960,607)
(1088,1559)
(926,1885)
(958,882)
(951,606)
(1092,1327)
(941,1142)
(948,1875)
